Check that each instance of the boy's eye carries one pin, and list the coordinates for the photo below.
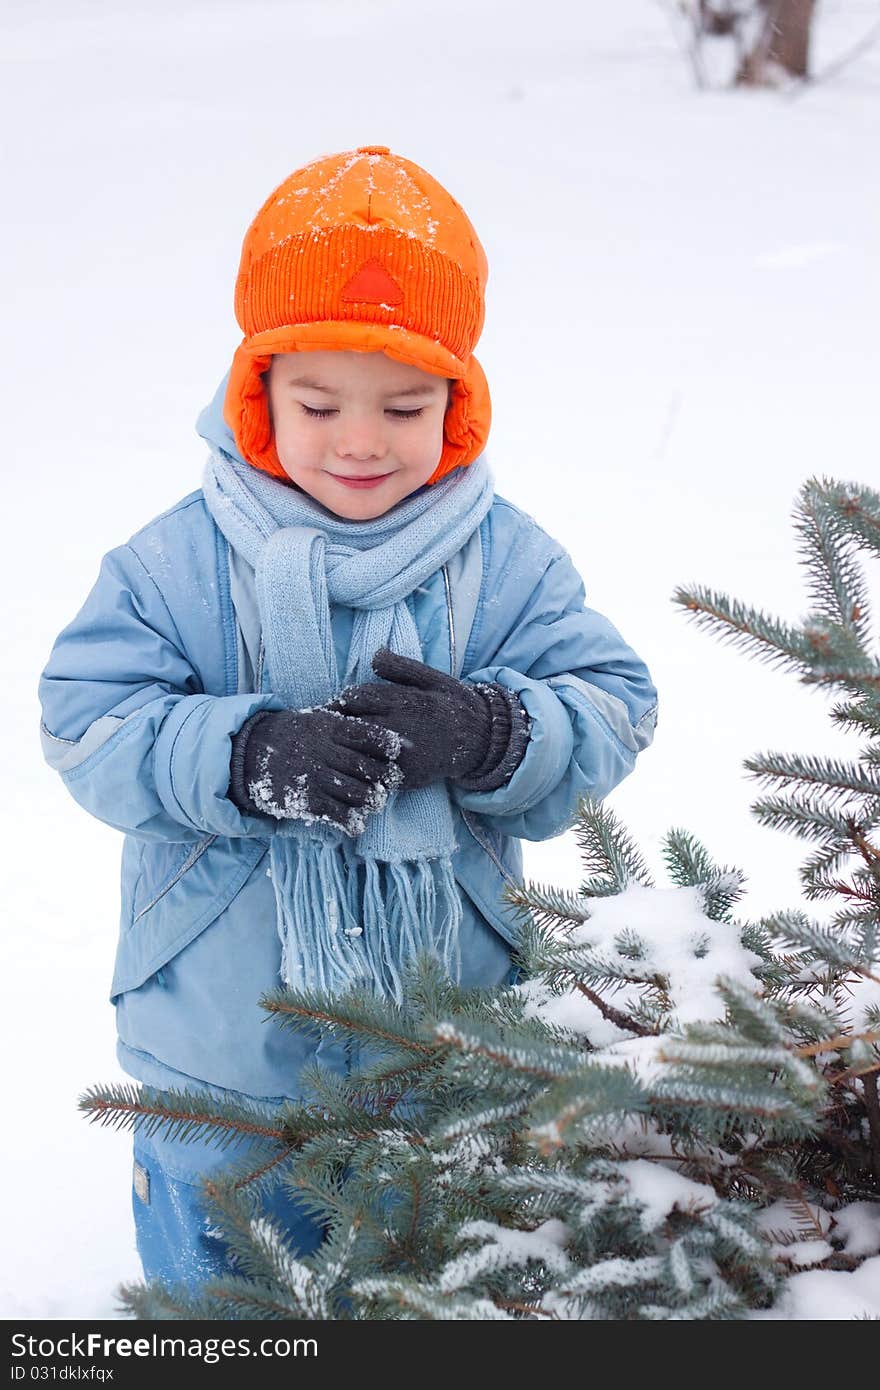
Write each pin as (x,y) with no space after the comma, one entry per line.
(317,414)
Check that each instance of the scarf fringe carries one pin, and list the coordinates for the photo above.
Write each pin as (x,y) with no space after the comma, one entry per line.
(346,922)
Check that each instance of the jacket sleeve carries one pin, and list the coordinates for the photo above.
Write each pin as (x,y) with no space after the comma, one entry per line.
(127,723)
(590,700)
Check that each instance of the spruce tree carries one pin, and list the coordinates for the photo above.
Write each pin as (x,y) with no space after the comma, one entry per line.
(665,1118)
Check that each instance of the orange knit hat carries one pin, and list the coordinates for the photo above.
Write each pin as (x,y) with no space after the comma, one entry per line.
(361,250)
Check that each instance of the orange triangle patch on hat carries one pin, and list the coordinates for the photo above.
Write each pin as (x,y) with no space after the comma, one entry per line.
(372,285)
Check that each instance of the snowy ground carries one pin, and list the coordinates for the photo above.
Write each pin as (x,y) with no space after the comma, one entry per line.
(682,327)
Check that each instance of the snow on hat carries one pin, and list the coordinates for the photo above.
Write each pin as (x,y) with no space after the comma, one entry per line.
(361,250)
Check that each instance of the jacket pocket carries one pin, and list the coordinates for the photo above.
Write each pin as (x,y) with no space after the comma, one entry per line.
(162,866)
(484,863)
(171,910)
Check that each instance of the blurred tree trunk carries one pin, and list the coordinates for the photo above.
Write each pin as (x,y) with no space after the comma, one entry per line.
(783,44)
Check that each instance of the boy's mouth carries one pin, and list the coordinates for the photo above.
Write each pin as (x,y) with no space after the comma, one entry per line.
(361,482)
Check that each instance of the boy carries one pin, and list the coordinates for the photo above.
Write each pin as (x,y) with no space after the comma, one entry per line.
(326,695)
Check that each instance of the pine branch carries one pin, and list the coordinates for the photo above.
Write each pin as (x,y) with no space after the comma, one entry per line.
(690,866)
(378,1082)
(807,819)
(859,716)
(427,1301)
(182,1115)
(761,1104)
(820,884)
(596,966)
(247,1299)
(607,850)
(750,628)
(835,778)
(858,509)
(826,860)
(587,1107)
(548,906)
(795,928)
(828,551)
(503,1054)
(484,1117)
(841,642)
(156,1302)
(351,1016)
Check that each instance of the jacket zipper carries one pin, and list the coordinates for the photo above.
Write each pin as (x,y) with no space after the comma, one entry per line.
(466,815)
(453,659)
(192,858)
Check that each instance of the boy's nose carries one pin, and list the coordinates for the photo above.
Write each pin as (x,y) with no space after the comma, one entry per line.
(361,444)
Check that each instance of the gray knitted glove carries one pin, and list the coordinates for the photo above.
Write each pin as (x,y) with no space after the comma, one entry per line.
(312,764)
(474,733)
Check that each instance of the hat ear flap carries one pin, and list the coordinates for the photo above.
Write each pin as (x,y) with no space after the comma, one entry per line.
(467,422)
(246,411)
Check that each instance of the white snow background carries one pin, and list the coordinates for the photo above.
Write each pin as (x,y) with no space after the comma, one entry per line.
(681,328)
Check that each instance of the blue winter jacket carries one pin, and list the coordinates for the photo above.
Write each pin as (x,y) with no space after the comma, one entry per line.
(140,699)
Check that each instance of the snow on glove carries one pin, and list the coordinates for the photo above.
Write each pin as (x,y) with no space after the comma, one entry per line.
(474,733)
(313,764)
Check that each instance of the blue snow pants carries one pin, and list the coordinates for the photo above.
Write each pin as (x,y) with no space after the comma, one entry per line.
(177,1238)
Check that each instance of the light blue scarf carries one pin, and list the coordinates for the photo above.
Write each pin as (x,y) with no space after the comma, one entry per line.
(335,934)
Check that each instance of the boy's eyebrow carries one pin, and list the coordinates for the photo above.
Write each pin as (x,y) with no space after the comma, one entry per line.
(328,390)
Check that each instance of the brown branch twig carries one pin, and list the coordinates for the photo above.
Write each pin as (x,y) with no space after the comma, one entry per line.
(620,1020)
(321,1016)
(853,1073)
(240,1126)
(416,1193)
(872,1105)
(264,1167)
(799,1204)
(840,678)
(869,852)
(511,1305)
(848,890)
(838,1044)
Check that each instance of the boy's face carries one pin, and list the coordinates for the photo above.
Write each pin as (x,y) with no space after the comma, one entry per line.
(359,417)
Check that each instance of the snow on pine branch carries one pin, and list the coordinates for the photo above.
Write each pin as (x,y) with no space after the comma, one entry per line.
(659,934)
